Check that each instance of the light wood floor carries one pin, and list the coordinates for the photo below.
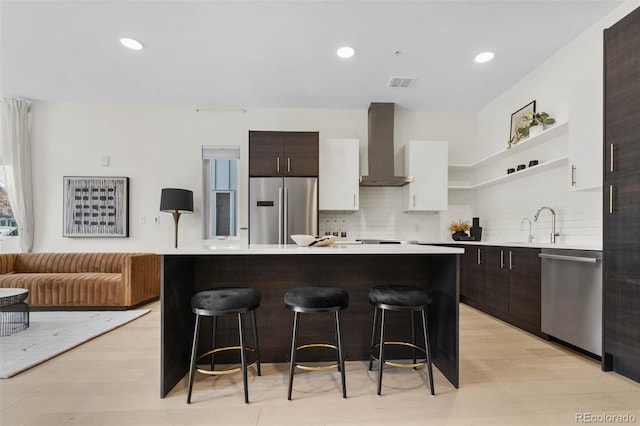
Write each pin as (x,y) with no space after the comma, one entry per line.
(508,377)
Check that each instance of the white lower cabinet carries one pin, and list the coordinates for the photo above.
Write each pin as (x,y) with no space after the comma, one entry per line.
(339,174)
(427,162)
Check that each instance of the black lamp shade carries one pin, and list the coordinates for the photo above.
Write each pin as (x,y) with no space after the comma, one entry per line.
(173,199)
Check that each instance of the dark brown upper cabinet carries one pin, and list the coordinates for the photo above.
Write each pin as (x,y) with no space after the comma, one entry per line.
(622,97)
(283,154)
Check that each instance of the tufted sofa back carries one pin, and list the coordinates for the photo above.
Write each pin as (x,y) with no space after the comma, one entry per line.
(69,262)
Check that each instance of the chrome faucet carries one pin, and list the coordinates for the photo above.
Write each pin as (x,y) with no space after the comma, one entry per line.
(530,237)
(554,234)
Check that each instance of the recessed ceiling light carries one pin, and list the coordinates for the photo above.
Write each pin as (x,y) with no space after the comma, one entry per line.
(131,43)
(484,57)
(345,52)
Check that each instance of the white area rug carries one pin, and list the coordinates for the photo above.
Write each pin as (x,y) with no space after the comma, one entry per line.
(51,333)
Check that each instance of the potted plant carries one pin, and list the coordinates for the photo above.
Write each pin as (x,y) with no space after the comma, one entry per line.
(531,124)
(537,122)
(459,229)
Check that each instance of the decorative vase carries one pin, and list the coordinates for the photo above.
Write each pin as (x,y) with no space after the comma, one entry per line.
(476,230)
(459,235)
(535,130)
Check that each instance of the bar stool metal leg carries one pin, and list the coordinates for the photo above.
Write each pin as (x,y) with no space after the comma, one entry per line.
(294,340)
(214,329)
(340,354)
(373,336)
(243,357)
(381,357)
(413,335)
(194,348)
(427,348)
(255,340)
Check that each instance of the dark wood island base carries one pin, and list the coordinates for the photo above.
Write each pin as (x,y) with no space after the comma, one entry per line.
(274,274)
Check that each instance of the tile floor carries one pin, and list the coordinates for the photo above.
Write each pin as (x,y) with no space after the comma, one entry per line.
(508,377)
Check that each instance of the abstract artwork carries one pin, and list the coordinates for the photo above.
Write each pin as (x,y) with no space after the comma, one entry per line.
(96,207)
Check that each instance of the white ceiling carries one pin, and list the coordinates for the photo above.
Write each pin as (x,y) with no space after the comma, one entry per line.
(281,53)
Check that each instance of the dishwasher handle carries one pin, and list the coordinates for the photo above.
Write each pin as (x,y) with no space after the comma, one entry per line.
(568,258)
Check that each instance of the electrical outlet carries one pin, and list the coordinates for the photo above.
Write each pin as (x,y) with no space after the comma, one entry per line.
(142,220)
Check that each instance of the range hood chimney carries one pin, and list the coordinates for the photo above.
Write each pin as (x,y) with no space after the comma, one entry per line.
(381,153)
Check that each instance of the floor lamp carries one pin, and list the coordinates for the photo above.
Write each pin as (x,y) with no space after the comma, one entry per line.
(176,201)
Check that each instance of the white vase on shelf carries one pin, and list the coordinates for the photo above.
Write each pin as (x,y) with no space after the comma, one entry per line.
(535,130)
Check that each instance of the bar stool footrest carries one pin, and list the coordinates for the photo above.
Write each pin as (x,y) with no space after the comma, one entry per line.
(374,355)
(319,367)
(227,370)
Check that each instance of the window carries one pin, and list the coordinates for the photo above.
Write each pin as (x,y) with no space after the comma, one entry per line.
(8,226)
(220,172)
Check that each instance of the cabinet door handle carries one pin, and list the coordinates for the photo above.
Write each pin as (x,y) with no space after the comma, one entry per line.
(479,257)
(414,200)
(573,175)
(277,164)
(501,259)
(610,198)
(354,199)
(510,260)
(288,164)
(612,168)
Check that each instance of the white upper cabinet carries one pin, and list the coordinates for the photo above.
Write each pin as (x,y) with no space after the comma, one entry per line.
(585,131)
(427,162)
(339,174)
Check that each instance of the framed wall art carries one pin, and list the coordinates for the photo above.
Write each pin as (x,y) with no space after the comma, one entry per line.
(95,206)
(517,120)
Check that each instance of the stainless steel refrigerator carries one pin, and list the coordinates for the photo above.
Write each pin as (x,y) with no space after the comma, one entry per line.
(281,207)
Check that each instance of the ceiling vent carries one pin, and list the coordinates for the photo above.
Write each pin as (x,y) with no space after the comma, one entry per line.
(401,81)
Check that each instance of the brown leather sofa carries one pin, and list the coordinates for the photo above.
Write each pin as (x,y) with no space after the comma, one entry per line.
(84,280)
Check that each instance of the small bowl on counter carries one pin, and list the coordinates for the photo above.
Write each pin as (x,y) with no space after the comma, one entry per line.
(310,240)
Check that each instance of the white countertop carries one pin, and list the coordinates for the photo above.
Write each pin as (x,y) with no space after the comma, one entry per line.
(535,244)
(237,249)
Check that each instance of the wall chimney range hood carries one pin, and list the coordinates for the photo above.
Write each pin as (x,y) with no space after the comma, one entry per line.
(381,153)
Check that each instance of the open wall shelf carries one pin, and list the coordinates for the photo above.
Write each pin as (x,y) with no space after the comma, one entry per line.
(516,175)
(535,141)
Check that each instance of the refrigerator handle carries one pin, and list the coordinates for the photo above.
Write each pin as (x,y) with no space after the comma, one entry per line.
(285,236)
(280,215)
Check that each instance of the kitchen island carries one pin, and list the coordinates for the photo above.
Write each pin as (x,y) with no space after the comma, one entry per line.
(273,269)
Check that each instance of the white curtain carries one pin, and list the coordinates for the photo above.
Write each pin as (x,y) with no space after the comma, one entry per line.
(15,156)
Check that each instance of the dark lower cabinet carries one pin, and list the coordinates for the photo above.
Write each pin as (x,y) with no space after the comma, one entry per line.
(621,280)
(621,198)
(472,274)
(496,286)
(525,289)
(503,282)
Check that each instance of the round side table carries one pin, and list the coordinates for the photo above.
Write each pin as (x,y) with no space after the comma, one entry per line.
(14,312)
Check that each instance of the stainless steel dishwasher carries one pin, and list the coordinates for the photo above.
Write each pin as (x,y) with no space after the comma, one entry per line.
(572,297)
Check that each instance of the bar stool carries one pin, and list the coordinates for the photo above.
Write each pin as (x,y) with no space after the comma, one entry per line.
(315,300)
(401,298)
(225,301)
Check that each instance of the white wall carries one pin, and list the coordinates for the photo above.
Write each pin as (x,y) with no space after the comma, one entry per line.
(159,146)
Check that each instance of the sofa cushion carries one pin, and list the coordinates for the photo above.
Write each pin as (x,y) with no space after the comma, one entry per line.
(74,289)
(70,262)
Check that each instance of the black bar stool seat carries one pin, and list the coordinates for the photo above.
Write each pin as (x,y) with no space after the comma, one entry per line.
(225,301)
(402,298)
(314,300)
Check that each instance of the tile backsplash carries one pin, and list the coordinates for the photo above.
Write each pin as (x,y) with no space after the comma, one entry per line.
(501,209)
(381,216)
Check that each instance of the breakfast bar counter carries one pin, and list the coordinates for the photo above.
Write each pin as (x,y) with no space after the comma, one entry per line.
(273,269)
